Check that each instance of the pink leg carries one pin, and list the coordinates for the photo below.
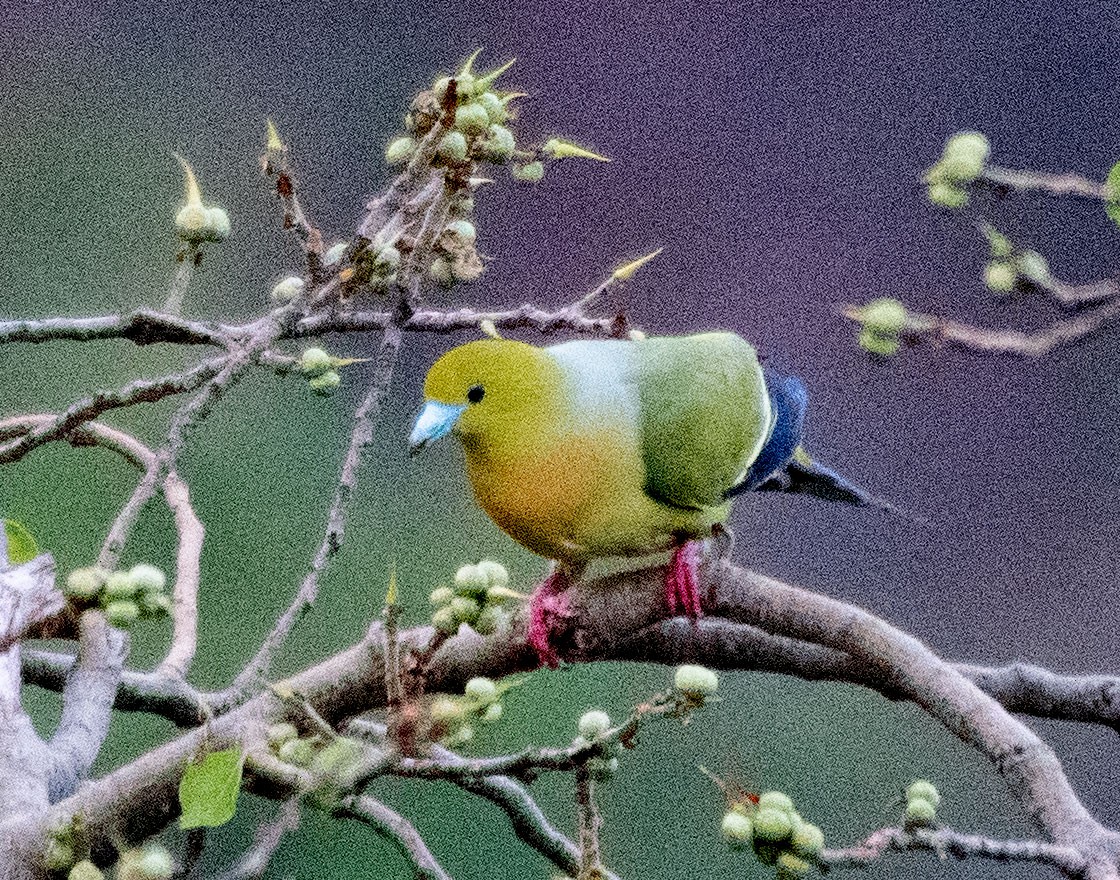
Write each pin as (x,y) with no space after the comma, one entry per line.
(682,582)
(547,607)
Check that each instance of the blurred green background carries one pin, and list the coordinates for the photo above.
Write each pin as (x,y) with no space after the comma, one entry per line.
(775,151)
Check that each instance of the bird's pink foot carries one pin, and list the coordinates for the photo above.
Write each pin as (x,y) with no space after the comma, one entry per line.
(682,582)
(548,609)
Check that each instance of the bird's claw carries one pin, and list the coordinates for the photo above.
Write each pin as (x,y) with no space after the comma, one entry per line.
(682,582)
(548,607)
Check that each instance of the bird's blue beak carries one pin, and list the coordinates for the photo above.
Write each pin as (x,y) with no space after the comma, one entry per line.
(435,421)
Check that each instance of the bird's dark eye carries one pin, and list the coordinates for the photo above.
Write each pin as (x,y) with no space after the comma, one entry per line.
(475,393)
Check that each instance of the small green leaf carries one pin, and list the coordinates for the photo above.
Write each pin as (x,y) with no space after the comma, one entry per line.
(21,546)
(209,788)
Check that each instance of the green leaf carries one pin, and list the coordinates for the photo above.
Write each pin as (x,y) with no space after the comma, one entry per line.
(1112,206)
(209,788)
(21,546)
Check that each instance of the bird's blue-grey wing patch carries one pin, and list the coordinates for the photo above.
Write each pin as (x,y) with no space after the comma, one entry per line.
(788,401)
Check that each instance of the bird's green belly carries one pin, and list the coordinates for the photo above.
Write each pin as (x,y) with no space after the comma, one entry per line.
(580,500)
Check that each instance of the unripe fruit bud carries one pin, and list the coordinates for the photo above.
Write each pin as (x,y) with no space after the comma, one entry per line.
(326,384)
(59,855)
(594,723)
(447,710)
(85,583)
(807,840)
(120,585)
(497,575)
(466,610)
(387,260)
(490,620)
(791,867)
(499,145)
(339,759)
(920,812)
(153,862)
(884,315)
(288,289)
(923,789)
(334,253)
(695,681)
(964,156)
(775,800)
(1000,276)
(877,344)
(400,150)
(281,733)
(463,230)
(440,272)
(191,223)
(531,172)
(736,829)
(472,118)
(298,752)
(947,195)
(445,620)
(471,580)
(493,106)
(1033,266)
(771,825)
(85,870)
(482,690)
(154,604)
(122,613)
(315,361)
(441,596)
(217,224)
(453,147)
(148,578)
(492,713)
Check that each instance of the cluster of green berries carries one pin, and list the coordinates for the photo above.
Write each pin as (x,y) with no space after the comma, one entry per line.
(124,596)
(881,324)
(961,162)
(593,724)
(776,832)
(479,598)
(149,862)
(695,684)
(373,265)
(1010,266)
(453,717)
(456,257)
(334,758)
(922,801)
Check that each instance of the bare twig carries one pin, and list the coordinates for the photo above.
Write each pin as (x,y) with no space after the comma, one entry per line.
(253,864)
(398,829)
(1053,184)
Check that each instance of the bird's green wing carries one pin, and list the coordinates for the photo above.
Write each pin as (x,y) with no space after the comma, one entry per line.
(704,414)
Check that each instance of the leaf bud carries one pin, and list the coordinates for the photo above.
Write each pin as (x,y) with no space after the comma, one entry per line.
(594,723)
(530,172)
(1000,276)
(923,789)
(288,289)
(400,150)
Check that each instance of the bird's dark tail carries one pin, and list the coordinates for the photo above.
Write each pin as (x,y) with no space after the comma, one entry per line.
(784,466)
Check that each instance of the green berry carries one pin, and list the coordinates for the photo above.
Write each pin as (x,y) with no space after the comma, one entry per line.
(153,862)
(999,243)
(447,710)
(122,613)
(471,580)
(298,752)
(885,315)
(85,583)
(288,289)
(445,620)
(497,575)
(315,362)
(481,690)
(453,147)
(737,829)
(464,734)
(192,223)
(1000,276)
(920,813)
(154,604)
(594,723)
(1033,267)
(947,195)
(792,867)
(923,790)
(465,609)
(440,272)
(1112,183)
(334,253)
(339,759)
(216,227)
(493,106)
(326,384)
(120,585)
(85,870)
(530,172)
(59,855)
(493,713)
(807,840)
(148,578)
(877,344)
(400,150)
(694,681)
(602,769)
(499,145)
(463,230)
(775,800)
(964,156)
(472,118)
(490,620)
(441,596)
(387,260)
(772,825)
(281,733)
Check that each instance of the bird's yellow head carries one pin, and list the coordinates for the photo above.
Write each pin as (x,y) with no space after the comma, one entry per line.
(485,390)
